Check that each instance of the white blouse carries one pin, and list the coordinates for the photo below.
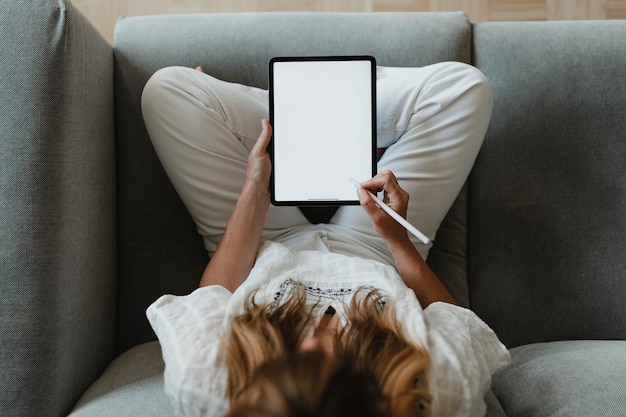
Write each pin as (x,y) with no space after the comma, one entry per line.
(464,351)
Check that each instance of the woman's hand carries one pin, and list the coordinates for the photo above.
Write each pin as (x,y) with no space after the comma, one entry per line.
(259,163)
(414,271)
(395,197)
(236,253)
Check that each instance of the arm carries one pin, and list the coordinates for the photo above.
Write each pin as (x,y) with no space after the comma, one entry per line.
(237,251)
(415,273)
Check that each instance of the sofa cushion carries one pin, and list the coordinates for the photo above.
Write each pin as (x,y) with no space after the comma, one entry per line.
(132,385)
(159,249)
(494,408)
(548,190)
(564,379)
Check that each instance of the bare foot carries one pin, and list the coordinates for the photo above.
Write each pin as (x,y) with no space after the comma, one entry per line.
(199,68)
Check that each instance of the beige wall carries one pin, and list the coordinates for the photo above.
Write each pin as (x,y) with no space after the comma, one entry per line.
(104,14)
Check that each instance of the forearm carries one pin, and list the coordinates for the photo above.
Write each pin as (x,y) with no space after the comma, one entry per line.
(236,254)
(417,275)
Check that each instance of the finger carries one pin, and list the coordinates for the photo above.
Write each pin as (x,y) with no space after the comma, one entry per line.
(264,137)
(394,195)
(383,181)
(366,201)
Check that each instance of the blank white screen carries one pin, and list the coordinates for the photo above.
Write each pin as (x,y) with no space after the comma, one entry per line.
(322,129)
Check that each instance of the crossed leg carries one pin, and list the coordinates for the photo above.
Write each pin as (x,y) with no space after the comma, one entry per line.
(432,120)
(203,129)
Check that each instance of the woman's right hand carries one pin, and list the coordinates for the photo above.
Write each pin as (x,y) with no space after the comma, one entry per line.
(395,197)
(415,273)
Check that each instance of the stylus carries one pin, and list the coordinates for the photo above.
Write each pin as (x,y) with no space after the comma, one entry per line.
(408,226)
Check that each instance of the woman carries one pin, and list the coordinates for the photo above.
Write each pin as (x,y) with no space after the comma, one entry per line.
(356,288)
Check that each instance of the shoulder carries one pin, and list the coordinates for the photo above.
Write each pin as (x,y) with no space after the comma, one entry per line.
(188,328)
(181,308)
(459,328)
(464,353)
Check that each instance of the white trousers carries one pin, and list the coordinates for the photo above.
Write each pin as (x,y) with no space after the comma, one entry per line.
(432,120)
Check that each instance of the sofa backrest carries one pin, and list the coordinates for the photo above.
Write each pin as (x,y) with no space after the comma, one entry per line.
(547,222)
(159,250)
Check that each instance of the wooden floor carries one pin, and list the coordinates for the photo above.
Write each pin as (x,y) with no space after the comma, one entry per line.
(104,14)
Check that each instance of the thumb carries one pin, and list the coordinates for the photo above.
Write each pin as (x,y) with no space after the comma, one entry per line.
(264,136)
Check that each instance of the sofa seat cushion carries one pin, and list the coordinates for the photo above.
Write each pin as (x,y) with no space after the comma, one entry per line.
(132,385)
(568,379)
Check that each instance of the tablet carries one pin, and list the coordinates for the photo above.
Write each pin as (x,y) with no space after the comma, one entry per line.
(323,115)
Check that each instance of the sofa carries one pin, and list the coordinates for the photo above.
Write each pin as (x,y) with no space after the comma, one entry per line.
(91,230)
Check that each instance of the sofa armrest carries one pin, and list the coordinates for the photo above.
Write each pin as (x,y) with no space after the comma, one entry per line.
(57,199)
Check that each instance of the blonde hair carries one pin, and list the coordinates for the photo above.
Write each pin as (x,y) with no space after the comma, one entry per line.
(373,343)
(375,340)
(310,384)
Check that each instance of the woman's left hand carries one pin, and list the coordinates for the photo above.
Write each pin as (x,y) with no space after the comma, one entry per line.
(235,255)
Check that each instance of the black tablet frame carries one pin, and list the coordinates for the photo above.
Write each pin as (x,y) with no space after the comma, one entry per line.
(332,202)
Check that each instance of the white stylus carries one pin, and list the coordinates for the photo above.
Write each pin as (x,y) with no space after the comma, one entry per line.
(408,226)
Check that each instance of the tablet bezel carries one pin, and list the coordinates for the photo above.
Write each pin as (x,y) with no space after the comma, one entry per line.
(333,202)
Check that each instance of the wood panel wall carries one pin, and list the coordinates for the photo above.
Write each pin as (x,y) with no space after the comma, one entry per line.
(104,14)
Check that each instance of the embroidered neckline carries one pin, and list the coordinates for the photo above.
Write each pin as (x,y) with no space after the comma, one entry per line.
(331,294)
(323,295)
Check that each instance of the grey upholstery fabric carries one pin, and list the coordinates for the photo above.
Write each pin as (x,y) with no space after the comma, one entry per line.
(57,207)
(547,194)
(159,248)
(564,379)
(448,256)
(131,386)
(494,408)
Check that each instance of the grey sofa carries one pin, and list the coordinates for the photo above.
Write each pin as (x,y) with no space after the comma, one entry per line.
(91,231)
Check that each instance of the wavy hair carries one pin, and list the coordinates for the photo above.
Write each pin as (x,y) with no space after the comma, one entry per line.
(373,343)
(310,384)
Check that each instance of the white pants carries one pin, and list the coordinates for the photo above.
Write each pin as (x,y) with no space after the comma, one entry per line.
(432,120)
